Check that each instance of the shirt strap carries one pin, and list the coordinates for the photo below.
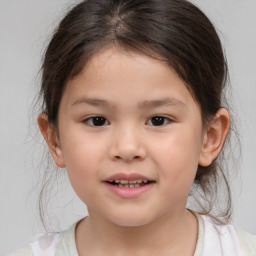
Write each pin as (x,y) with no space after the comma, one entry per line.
(220,239)
(46,245)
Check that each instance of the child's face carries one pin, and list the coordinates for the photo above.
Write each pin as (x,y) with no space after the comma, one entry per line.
(148,124)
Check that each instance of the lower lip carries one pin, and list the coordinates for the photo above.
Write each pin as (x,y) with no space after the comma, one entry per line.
(129,192)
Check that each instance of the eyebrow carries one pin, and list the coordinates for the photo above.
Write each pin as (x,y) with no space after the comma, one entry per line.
(145,104)
(93,102)
(162,102)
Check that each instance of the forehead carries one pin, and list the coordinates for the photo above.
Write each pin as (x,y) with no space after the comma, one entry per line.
(116,63)
(114,73)
(113,60)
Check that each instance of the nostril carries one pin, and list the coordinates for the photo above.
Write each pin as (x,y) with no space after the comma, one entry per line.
(128,158)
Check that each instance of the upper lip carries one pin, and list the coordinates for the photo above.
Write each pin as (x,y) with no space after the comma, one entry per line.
(127,176)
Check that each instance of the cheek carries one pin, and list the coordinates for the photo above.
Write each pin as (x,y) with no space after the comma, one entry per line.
(178,159)
(81,151)
(82,158)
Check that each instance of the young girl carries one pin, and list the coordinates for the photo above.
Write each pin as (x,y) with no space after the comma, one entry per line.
(133,109)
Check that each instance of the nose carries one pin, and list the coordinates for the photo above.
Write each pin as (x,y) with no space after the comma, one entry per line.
(127,145)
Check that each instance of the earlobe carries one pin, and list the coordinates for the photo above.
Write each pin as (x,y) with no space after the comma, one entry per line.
(214,137)
(50,135)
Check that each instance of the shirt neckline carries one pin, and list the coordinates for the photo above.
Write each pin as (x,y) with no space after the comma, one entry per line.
(200,236)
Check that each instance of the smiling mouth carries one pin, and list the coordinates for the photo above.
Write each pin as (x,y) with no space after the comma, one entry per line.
(130,183)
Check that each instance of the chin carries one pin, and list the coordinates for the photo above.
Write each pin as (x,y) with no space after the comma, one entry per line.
(130,223)
(131,220)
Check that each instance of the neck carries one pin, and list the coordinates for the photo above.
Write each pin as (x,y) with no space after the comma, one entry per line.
(167,233)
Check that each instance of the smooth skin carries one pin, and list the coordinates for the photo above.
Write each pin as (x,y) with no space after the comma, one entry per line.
(129,113)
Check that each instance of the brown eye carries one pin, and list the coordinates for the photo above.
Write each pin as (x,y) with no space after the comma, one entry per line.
(96,121)
(158,121)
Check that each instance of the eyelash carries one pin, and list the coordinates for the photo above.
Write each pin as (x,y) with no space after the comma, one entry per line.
(89,121)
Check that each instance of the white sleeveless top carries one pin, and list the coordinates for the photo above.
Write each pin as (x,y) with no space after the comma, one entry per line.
(213,240)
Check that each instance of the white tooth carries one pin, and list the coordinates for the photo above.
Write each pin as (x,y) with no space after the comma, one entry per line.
(139,181)
(124,181)
(132,186)
(132,181)
(145,181)
(136,185)
(126,186)
(120,186)
(117,181)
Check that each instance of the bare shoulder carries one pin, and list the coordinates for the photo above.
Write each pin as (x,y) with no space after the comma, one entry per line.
(247,242)
(22,252)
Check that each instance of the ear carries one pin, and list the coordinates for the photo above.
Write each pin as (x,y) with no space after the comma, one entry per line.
(50,135)
(214,137)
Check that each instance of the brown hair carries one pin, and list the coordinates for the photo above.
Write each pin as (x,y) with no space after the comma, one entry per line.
(175,31)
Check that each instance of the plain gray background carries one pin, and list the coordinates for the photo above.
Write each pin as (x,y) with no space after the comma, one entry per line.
(25,26)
